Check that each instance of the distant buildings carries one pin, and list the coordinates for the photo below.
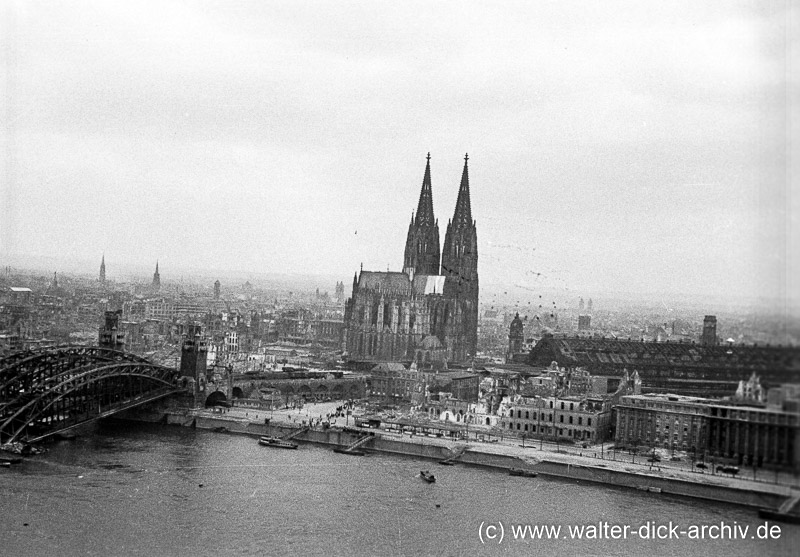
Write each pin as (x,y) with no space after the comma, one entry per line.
(461,385)
(685,368)
(750,390)
(55,290)
(516,338)
(159,309)
(709,337)
(111,334)
(19,295)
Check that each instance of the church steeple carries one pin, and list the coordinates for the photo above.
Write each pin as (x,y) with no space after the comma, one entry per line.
(422,243)
(103,269)
(156,279)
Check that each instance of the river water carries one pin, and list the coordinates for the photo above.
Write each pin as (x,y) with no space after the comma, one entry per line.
(134,489)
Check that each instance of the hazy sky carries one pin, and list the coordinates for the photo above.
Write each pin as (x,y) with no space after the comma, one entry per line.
(624,146)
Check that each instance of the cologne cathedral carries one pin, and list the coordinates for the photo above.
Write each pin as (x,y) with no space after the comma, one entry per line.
(428,313)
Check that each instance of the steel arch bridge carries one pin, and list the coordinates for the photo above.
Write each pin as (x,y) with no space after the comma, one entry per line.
(46,391)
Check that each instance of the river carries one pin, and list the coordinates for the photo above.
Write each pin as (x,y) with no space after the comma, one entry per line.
(138,489)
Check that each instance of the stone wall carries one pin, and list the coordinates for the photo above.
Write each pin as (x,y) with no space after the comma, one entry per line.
(579,472)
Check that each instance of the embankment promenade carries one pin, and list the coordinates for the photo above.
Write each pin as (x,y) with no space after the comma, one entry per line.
(503,456)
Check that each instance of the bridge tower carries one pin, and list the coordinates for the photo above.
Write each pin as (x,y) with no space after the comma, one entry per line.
(110,335)
(193,359)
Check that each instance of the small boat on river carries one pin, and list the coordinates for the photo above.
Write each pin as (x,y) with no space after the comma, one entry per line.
(275,442)
(427,476)
(523,473)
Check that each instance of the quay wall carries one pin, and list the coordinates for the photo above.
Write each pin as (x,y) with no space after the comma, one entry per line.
(671,486)
(475,457)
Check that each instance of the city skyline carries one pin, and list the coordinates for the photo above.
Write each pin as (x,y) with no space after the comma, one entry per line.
(645,152)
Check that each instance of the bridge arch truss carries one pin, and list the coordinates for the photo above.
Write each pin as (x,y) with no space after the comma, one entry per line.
(46,391)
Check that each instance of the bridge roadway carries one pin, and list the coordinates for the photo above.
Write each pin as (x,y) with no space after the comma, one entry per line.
(305,388)
(50,390)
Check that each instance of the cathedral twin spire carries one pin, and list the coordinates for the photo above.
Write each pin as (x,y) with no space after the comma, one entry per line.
(422,243)
(463,214)
(422,253)
(425,206)
(460,252)
(446,309)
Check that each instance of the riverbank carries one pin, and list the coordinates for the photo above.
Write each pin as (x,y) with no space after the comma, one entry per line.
(502,456)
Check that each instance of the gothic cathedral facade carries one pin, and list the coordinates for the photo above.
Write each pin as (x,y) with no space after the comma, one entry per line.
(428,313)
